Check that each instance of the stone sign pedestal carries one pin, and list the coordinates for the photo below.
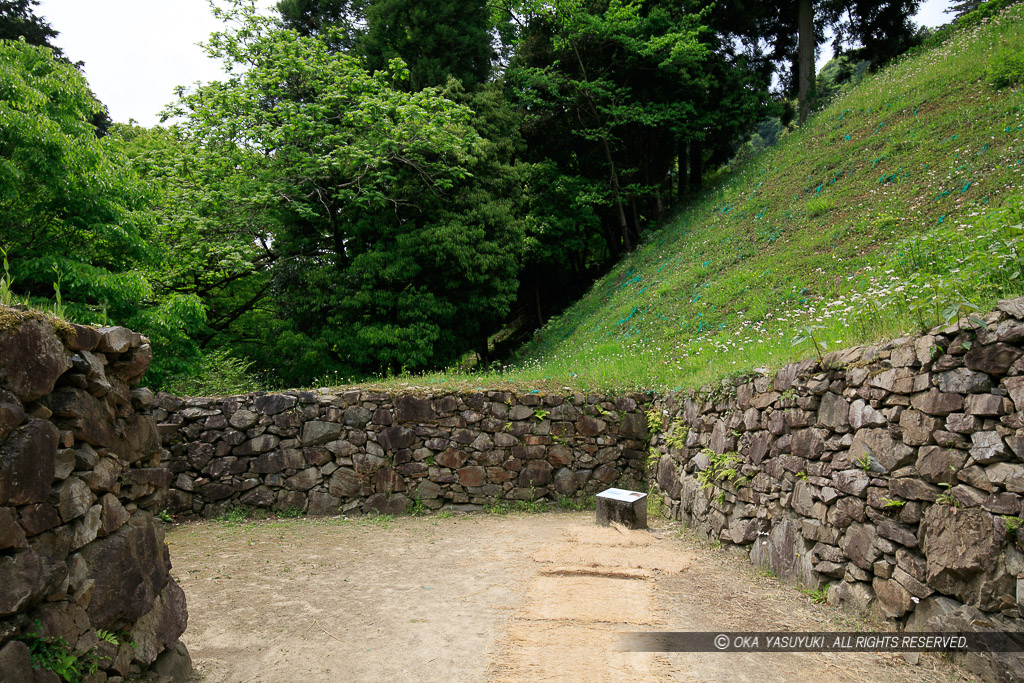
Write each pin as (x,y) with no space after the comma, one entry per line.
(628,508)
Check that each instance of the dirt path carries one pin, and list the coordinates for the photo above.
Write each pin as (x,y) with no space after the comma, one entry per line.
(485,597)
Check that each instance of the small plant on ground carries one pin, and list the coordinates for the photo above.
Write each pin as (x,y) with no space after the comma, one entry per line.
(655,502)
(807,333)
(577,504)
(496,507)
(529,506)
(165,516)
(290,513)
(379,519)
(445,514)
(417,509)
(233,515)
(818,596)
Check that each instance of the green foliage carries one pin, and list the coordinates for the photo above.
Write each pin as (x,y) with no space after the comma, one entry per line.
(541,414)
(590,79)
(893,503)
(653,456)
(56,655)
(6,282)
(654,422)
(108,637)
(675,438)
(530,506)
(218,374)
(18,21)
(290,513)
(1006,69)
(1013,524)
(721,467)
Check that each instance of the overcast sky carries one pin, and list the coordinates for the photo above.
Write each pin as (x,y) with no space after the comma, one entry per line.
(137,51)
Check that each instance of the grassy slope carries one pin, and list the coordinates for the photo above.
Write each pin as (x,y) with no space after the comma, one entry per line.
(892,204)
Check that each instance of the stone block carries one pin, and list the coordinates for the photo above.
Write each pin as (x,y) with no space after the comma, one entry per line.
(628,508)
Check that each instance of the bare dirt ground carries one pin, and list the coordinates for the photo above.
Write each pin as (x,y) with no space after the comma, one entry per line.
(521,597)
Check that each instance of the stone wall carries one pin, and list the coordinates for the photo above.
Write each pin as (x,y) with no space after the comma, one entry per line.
(80,477)
(326,452)
(892,474)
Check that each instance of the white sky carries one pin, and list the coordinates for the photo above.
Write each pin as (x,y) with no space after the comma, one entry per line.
(137,51)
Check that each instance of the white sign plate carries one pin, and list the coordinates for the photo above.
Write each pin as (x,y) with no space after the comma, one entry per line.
(621,494)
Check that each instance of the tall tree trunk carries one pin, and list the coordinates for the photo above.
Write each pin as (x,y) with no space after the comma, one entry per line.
(536,302)
(483,350)
(805,57)
(696,165)
(617,192)
(681,186)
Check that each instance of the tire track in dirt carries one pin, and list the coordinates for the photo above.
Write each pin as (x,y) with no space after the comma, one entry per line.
(587,587)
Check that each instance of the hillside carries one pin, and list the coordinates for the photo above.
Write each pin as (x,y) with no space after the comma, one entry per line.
(897,207)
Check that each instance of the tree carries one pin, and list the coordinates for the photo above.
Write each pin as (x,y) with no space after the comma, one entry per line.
(963,7)
(882,30)
(436,40)
(314,17)
(604,89)
(387,252)
(18,20)
(208,244)
(71,214)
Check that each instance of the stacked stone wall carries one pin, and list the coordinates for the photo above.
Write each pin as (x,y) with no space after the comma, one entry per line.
(80,478)
(328,452)
(892,474)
